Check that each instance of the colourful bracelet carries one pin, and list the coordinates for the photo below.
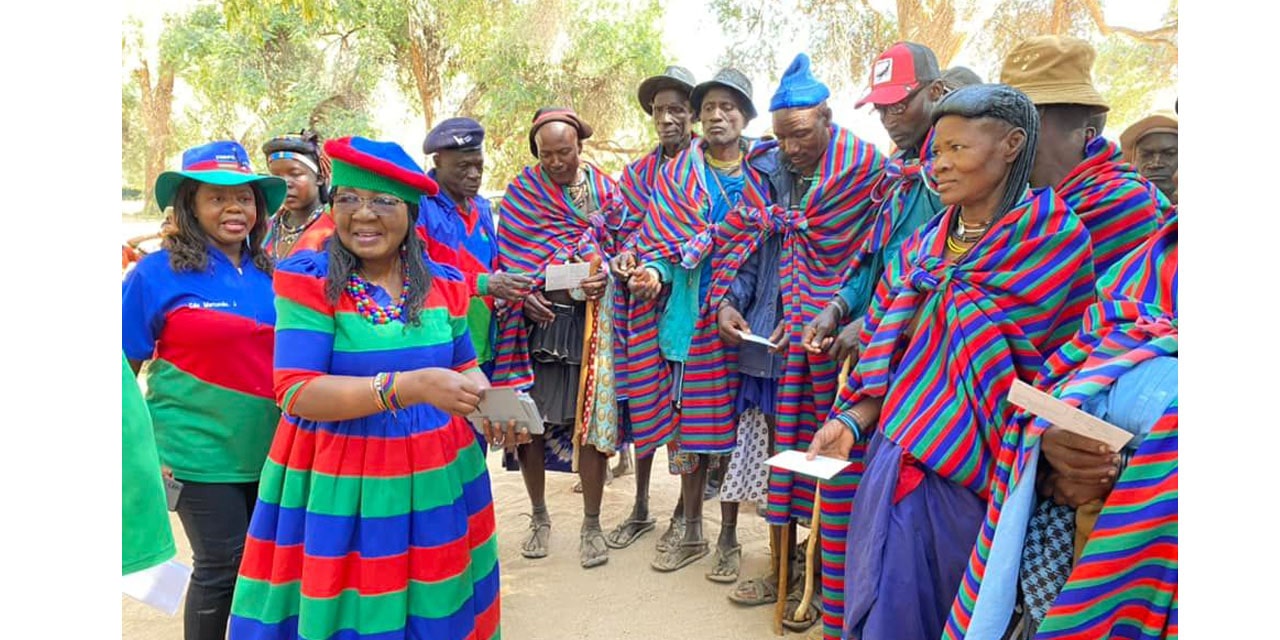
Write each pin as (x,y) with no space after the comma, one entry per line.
(390,395)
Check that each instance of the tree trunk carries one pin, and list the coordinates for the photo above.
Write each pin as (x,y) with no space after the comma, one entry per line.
(933,25)
(426,57)
(157,105)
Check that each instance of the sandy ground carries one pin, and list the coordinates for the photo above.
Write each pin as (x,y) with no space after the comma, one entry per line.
(555,599)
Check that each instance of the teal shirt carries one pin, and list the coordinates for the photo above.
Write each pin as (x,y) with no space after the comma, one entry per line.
(922,205)
(689,286)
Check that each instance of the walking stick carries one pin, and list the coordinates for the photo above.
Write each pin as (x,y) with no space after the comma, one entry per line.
(784,562)
(585,375)
(815,531)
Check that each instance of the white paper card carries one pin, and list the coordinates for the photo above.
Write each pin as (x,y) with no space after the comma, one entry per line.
(567,276)
(751,337)
(504,404)
(1025,396)
(820,467)
(163,586)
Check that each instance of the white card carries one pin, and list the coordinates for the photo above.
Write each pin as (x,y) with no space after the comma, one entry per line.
(1054,410)
(504,404)
(163,586)
(751,337)
(567,276)
(820,467)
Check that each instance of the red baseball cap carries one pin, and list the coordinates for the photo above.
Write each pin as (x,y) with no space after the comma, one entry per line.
(899,71)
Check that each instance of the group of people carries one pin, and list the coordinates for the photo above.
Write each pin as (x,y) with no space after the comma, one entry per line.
(742,297)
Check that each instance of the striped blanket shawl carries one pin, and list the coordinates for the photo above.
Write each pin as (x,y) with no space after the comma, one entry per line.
(943,340)
(1126,581)
(539,226)
(674,225)
(1119,207)
(820,242)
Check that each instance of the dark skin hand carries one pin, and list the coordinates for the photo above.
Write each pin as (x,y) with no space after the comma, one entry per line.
(623,265)
(820,333)
(1072,494)
(1079,459)
(780,337)
(511,287)
(538,309)
(645,284)
(729,322)
(846,344)
(510,437)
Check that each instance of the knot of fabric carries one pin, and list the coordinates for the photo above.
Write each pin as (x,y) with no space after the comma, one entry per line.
(895,170)
(693,251)
(924,281)
(1157,327)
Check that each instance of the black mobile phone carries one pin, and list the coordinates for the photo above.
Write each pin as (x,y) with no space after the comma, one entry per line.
(172,490)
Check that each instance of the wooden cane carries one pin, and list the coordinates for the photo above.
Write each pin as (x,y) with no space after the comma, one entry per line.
(784,564)
(811,558)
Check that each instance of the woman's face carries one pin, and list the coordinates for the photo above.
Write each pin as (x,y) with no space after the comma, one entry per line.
(304,186)
(370,224)
(226,214)
(971,158)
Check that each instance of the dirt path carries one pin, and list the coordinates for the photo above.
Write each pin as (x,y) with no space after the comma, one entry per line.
(555,599)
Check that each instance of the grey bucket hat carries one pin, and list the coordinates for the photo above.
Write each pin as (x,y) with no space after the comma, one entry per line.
(730,79)
(674,77)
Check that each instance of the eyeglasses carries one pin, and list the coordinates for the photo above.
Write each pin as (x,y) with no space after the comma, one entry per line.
(381,205)
(900,107)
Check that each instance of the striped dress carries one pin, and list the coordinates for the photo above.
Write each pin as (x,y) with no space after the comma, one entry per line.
(376,527)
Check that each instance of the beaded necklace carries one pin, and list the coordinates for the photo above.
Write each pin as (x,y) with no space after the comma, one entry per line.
(282,234)
(361,291)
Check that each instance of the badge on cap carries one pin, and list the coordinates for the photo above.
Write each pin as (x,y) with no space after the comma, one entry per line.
(882,72)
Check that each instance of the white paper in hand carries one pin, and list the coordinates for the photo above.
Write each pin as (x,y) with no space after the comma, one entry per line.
(561,277)
(504,404)
(163,586)
(751,337)
(820,467)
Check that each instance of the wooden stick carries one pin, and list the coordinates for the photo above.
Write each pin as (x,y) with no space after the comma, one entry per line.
(811,559)
(784,565)
(584,375)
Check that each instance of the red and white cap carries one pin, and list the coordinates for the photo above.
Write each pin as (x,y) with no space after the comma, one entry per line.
(898,71)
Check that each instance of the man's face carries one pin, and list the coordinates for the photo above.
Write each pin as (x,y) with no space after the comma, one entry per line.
(907,121)
(722,119)
(1156,156)
(558,151)
(672,116)
(459,172)
(803,136)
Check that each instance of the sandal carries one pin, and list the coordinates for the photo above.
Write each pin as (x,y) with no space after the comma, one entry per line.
(726,565)
(628,532)
(681,556)
(672,536)
(755,592)
(535,545)
(593,551)
(814,613)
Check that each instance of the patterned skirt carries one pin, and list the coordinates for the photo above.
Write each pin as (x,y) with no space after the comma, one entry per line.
(380,527)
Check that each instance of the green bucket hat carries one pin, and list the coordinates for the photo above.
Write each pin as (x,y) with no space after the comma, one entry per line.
(223,163)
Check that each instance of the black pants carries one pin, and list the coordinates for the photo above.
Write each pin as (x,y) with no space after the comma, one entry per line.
(216,519)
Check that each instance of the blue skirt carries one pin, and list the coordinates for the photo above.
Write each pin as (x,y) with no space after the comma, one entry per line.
(905,561)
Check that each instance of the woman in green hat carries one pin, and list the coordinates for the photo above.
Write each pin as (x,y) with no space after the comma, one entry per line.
(201,310)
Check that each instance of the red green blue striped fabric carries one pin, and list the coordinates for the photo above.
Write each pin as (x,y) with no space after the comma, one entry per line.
(1119,207)
(979,322)
(1133,577)
(209,337)
(537,226)
(1126,582)
(636,185)
(376,527)
(820,239)
(677,215)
